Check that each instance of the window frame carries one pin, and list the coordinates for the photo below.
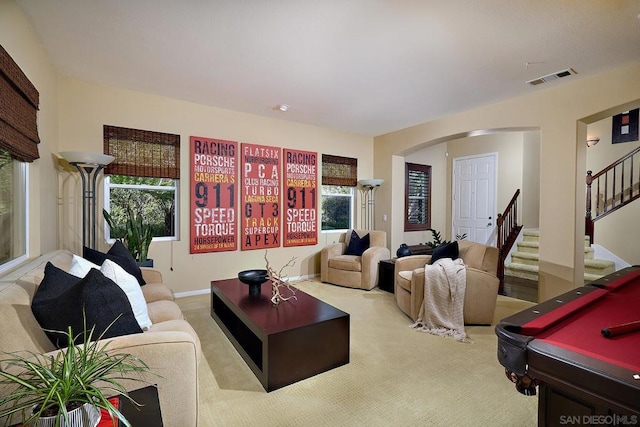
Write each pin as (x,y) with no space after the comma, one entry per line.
(426,169)
(351,195)
(21,175)
(107,205)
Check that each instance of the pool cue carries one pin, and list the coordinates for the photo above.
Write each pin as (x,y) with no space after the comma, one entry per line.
(625,328)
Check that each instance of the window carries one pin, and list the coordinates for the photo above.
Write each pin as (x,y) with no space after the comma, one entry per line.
(417,197)
(337,207)
(155,198)
(144,176)
(339,178)
(18,144)
(13,211)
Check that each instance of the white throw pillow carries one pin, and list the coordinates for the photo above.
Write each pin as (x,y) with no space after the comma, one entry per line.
(80,266)
(129,284)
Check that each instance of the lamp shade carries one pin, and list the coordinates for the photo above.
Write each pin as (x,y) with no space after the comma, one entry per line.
(371,182)
(89,158)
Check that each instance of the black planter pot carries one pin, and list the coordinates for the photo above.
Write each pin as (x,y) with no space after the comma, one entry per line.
(403,250)
(147,263)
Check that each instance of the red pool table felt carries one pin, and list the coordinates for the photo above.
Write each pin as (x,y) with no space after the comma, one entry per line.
(577,325)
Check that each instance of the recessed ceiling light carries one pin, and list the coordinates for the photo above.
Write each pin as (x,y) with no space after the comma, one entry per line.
(282,107)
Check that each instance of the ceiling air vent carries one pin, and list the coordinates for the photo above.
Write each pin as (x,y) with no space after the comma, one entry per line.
(553,76)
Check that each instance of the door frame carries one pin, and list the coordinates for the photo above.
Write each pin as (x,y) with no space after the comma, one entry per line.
(493,154)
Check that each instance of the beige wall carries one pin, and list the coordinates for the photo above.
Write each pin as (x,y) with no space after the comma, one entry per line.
(561,113)
(19,40)
(508,147)
(514,171)
(86,107)
(72,114)
(435,156)
(531,180)
(621,240)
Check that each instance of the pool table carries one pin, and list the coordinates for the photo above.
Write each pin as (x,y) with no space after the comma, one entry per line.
(582,375)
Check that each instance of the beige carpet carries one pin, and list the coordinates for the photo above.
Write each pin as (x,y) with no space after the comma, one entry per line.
(397,376)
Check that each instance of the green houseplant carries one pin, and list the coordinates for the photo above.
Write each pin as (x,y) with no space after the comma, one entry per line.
(437,238)
(137,234)
(53,385)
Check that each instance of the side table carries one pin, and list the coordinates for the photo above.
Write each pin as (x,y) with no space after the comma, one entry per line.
(386,272)
(149,413)
(421,250)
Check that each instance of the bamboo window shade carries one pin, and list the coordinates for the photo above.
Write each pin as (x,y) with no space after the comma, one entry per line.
(338,170)
(142,153)
(18,111)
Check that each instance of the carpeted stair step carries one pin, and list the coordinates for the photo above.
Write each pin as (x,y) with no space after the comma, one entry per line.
(525,258)
(589,252)
(523,271)
(534,236)
(529,246)
(532,247)
(588,278)
(531,235)
(593,269)
(599,267)
(524,261)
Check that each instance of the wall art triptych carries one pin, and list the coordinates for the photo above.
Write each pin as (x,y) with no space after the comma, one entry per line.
(261,196)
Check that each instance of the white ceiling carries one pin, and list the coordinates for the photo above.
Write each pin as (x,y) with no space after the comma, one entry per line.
(363,66)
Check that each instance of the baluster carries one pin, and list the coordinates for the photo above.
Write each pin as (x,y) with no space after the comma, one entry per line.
(598,200)
(631,179)
(589,181)
(606,193)
(622,183)
(613,189)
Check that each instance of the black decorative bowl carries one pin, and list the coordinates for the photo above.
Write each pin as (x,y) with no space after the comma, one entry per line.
(253,278)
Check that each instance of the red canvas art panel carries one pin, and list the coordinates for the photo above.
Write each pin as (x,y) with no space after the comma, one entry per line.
(213,186)
(300,171)
(260,197)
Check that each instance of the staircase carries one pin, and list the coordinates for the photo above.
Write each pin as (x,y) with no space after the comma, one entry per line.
(524,261)
(615,186)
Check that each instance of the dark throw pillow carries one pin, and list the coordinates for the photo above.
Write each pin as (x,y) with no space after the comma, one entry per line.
(55,282)
(445,250)
(95,297)
(119,254)
(357,245)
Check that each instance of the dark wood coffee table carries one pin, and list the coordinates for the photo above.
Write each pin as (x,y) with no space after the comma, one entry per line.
(281,344)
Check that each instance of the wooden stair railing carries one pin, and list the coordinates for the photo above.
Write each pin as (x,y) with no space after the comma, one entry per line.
(617,185)
(508,230)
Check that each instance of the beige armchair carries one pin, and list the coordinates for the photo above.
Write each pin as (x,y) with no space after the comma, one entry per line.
(481,289)
(350,270)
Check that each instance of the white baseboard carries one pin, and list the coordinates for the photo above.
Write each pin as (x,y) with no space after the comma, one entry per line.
(192,293)
(208,290)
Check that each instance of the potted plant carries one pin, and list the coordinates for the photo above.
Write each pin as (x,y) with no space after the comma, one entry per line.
(137,235)
(437,238)
(73,384)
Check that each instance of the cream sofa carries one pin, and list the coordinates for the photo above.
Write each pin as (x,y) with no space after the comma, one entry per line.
(481,290)
(170,347)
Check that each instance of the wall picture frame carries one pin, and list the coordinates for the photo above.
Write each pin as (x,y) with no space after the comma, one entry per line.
(624,127)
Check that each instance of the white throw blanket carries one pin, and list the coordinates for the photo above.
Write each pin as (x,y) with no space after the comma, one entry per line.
(441,312)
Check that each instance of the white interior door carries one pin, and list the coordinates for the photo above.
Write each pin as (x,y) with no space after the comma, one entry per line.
(474,197)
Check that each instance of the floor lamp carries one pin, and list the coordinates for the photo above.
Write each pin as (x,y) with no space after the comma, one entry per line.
(368,189)
(89,165)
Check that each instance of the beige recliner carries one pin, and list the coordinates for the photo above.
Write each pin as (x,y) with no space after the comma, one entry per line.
(482,282)
(350,270)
